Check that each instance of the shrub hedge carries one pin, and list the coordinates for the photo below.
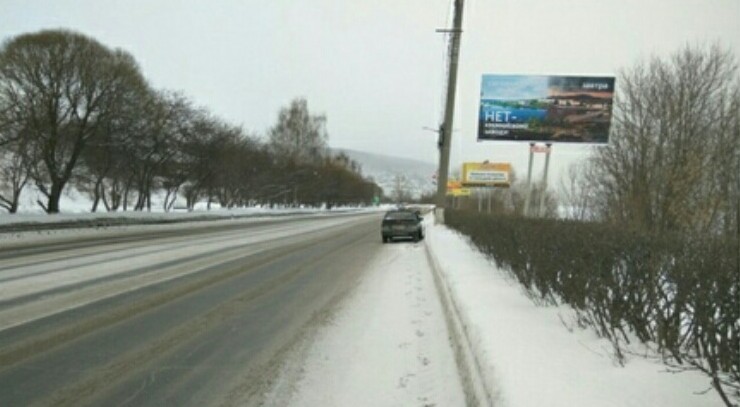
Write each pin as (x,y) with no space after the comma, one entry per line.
(677,294)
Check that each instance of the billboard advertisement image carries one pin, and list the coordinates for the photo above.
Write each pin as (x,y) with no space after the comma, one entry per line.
(486,174)
(539,108)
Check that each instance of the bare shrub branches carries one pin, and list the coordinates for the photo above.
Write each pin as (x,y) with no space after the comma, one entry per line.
(679,293)
(673,159)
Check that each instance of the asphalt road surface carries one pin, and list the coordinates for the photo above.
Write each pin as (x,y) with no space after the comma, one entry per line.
(179,315)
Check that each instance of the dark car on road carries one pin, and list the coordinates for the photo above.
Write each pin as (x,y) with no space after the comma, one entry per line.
(402,223)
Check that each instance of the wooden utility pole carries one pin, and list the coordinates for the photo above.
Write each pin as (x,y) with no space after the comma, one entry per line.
(446,128)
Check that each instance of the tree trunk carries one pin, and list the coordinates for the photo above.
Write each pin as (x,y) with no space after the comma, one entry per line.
(11,205)
(96,194)
(170,198)
(126,191)
(52,204)
(104,198)
(166,199)
(96,201)
(140,196)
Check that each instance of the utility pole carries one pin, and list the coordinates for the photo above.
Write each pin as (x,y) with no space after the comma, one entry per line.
(446,128)
(528,197)
(541,212)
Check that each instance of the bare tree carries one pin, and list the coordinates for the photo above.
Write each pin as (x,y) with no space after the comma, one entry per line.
(577,192)
(299,135)
(13,174)
(62,87)
(401,189)
(157,138)
(104,160)
(674,145)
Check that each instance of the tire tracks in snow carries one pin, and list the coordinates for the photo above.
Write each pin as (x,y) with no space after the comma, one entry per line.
(469,368)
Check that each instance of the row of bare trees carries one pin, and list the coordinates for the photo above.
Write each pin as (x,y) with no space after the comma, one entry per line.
(76,113)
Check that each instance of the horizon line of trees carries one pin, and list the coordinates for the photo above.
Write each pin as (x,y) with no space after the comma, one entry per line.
(74,112)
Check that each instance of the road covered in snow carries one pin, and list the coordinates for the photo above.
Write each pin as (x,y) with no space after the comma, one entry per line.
(187,314)
(389,346)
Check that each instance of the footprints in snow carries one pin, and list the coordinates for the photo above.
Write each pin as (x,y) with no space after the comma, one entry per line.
(421,378)
(403,381)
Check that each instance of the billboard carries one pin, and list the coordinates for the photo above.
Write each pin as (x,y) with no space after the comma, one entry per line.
(455,188)
(459,192)
(486,174)
(546,109)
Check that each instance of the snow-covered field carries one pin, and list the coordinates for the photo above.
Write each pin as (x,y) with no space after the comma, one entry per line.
(76,207)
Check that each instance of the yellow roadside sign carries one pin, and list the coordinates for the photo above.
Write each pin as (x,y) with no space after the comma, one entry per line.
(458,192)
(486,174)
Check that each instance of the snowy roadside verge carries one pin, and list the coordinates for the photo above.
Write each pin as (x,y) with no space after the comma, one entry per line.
(527,356)
(476,391)
(387,345)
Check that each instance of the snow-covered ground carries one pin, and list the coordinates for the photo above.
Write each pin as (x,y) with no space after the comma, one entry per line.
(76,207)
(530,358)
(389,346)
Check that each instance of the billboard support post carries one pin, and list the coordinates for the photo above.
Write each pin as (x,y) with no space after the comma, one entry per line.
(480,199)
(446,135)
(544,180)
(529,180)
(490,192)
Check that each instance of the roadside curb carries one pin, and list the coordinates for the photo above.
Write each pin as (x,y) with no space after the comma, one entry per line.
(468,365)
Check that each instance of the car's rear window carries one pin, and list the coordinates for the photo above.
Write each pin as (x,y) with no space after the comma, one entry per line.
(400,216)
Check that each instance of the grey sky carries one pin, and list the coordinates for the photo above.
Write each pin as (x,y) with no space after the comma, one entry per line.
(376,67)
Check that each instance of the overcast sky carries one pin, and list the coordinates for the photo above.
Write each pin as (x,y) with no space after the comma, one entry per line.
(376,67)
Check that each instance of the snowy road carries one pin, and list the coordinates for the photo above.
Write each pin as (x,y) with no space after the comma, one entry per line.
(389,346)
(308,311)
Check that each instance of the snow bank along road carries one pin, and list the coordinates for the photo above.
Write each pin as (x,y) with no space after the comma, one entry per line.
(201,314)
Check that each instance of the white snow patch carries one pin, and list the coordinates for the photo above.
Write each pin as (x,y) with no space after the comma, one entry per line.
(528,356)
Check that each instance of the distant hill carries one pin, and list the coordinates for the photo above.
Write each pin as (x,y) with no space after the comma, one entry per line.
(384,168)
